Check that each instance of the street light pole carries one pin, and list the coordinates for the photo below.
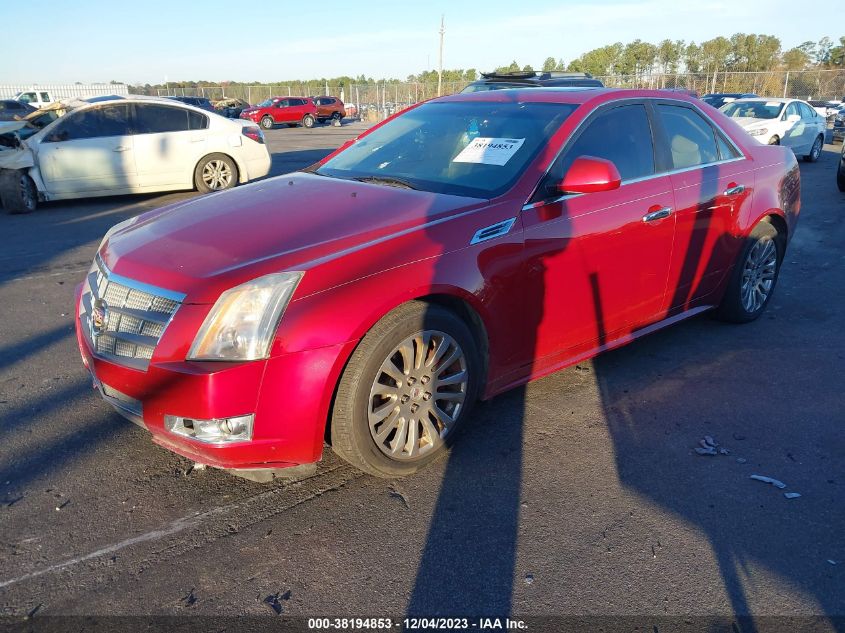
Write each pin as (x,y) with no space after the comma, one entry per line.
(440,67)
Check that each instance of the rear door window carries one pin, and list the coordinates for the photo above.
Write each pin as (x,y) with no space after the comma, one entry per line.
(691,138)
(155,119)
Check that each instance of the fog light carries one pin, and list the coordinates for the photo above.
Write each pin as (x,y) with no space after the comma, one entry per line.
(214,431)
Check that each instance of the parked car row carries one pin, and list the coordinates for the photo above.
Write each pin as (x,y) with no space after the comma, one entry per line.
(293,111)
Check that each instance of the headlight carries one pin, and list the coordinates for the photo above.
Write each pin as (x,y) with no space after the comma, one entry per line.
(758,131)
(242,323)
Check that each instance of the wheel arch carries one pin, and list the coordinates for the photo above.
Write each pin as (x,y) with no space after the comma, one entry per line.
(453,300)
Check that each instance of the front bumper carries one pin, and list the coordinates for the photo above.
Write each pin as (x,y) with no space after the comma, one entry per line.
(289,395)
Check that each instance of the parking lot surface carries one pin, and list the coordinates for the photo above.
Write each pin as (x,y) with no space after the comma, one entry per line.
(580,494)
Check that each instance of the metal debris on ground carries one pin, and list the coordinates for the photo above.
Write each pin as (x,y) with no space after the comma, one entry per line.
(397,493)
(529,579)
(708,446)
(741,460)
(274,600)
(832,562)
(769,480)
(791,495)
(190,599)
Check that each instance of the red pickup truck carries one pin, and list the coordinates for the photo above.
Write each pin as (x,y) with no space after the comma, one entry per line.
(290,110)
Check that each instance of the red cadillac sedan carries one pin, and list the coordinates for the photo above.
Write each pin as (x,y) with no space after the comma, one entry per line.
(463,247)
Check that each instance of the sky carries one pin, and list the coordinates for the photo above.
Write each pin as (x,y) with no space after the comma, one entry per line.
(155,40)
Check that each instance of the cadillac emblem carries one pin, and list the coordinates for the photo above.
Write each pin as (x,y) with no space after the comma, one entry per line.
(99,318)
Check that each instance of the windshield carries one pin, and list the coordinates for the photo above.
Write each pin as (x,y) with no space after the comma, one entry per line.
(475,149)
(265,104)
(717,101)
(753,109)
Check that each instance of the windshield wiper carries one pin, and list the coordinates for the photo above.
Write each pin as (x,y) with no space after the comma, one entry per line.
(386,180)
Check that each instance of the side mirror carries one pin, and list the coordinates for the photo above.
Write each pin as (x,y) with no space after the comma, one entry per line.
(793,118)
(589,174)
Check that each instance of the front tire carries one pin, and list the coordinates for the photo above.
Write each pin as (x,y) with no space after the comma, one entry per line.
(406,391)
(215,172)
(754,275)
(815,151)
(18,193)
(267,122)
(840,175)
(774,141)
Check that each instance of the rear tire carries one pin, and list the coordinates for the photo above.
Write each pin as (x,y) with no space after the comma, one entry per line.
(815,151)
(391,427)
(215,172)
(308,121)
(17,191)
(840,175)
(754,276)
(774,141)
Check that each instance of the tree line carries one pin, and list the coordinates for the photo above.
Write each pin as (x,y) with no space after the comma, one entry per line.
(741,52)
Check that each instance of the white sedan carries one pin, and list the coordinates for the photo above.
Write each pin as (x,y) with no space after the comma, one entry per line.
(131,145)
(789,122)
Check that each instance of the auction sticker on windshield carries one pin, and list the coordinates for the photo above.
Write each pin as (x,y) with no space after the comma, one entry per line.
(489,151)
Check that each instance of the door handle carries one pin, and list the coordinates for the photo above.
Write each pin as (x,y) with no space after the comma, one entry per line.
(735,190)
(659,214)
(122,148)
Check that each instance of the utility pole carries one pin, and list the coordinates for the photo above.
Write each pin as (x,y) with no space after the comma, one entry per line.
(440,66)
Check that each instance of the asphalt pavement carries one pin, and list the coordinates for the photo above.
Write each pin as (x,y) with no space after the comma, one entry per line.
(579,495)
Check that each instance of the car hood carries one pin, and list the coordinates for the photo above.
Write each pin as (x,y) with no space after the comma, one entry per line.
(750,122)
(203,246)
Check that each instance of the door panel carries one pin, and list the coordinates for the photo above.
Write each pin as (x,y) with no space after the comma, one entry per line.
(711,181)
(168,158)
(92,164)
(795,133)
(166,150)
(706,246)
(90,150)
(600,269)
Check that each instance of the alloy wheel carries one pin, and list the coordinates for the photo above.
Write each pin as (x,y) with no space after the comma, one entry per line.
(217,175)
(758,274)
(817,149)
(417,396)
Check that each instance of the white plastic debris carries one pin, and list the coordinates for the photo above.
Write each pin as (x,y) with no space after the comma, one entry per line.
(791,495)
(769,480)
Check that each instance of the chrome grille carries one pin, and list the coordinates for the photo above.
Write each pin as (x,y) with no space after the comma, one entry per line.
(137,316)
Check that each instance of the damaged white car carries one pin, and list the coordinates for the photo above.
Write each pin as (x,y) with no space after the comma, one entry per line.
(126,146)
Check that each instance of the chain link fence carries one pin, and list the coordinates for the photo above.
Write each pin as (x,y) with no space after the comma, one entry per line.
(804,84)
(375,101)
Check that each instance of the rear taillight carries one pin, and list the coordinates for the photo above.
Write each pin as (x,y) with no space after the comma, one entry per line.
(254,133)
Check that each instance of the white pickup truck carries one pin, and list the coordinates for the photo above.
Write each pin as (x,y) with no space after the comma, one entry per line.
(36,98)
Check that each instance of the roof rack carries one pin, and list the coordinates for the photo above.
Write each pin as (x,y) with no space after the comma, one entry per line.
(511,74)
(533,74)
